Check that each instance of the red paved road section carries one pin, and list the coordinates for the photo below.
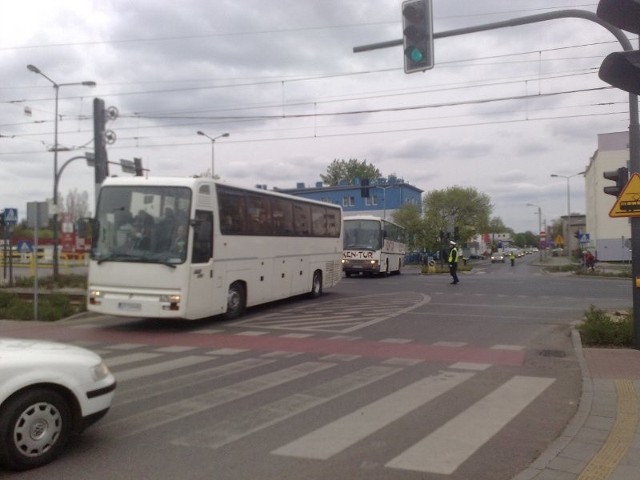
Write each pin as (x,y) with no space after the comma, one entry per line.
(267,343)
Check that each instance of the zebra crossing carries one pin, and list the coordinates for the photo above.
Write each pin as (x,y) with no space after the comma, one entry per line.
(158,377)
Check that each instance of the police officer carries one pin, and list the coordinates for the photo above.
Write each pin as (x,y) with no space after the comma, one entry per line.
(453,262)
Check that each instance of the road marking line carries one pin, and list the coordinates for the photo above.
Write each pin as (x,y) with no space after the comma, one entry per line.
(161,367)
(620,438)
(334,437)
(149,419)
(241,425)
(470,366)
(444,450)
(130,358)
(128,393)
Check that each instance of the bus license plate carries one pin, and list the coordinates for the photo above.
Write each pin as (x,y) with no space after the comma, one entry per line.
(129,306)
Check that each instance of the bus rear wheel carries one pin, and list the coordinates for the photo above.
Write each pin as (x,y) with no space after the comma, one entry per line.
(236,301)
(316,285)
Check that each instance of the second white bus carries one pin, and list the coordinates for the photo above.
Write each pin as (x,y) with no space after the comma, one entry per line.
(192,248)
(372,246)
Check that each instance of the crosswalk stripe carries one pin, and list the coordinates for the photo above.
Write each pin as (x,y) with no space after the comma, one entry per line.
(130,358)
(128,393)
(331,439)
(241,425)
(160,367)
(149,419)
(444,450)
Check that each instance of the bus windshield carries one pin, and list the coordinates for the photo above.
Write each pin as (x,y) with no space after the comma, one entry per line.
(362,234)
(142,224)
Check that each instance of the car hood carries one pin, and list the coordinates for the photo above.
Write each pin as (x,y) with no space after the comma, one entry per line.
(17,349)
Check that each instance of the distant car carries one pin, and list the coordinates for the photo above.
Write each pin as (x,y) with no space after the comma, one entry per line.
(497,257)
(48,391)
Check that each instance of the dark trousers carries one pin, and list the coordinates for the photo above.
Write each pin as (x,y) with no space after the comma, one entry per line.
(453,270)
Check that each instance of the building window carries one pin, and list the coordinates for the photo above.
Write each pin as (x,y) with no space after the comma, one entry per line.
(348,201)
(370,201)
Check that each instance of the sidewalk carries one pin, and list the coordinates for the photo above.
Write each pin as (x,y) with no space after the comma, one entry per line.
(602,441)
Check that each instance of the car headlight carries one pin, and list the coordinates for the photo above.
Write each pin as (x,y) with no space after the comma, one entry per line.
(100,371)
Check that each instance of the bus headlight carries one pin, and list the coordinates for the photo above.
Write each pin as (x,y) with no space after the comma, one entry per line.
(95,297)
(172,300)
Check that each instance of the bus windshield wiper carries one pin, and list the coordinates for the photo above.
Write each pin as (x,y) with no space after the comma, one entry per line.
(125,257)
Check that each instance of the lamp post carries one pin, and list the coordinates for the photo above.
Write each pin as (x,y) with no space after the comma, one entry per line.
(55,148)
(213,143)
(568,177)
(384,199)
(539,227)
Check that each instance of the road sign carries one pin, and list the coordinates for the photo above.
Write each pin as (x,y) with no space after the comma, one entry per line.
(24,246)
(584,238)
(628,202)
(10,216)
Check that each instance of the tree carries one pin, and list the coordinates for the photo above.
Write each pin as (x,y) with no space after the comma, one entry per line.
(349,171)
(408,216)
(77,204)
(457,209)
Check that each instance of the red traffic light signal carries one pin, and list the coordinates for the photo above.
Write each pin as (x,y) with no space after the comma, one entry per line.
(417,35)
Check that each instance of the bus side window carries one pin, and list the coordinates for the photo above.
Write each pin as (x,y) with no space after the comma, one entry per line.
(202,237)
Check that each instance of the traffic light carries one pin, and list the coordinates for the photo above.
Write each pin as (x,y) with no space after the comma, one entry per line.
(2,219)
(620,176)
(621,69)
(417,31)
(137,162)
(99,144)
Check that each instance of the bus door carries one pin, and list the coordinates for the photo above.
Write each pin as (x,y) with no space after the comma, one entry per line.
(201,291)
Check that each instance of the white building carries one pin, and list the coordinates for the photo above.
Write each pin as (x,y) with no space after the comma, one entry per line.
(609,236)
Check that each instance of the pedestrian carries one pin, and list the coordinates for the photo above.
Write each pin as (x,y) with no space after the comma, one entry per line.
(453,262)
(512,257)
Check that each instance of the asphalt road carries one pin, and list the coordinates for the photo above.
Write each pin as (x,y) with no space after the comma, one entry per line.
(404,377)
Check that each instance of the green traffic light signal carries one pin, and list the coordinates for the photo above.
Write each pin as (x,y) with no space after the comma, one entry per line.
(417,35)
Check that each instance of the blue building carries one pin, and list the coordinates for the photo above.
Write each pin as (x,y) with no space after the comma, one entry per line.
(380,198)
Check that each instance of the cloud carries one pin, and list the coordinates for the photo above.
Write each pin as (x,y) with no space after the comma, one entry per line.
(500,111)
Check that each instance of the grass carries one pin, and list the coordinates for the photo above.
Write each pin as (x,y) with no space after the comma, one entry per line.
(52,305)
(606,329)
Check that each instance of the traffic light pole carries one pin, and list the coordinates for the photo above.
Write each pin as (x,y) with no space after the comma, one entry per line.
(634,124)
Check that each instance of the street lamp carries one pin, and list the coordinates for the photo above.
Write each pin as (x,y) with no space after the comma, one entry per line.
(55,148)
(539,227)
(568,177)
(213,143)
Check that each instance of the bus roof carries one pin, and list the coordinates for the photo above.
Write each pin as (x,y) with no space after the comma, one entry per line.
(191,182)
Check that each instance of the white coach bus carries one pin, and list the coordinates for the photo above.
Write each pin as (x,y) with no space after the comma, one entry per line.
(372,245)
(192,248)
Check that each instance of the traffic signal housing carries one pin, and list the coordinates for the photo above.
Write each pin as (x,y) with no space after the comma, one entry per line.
(137,162)
(621,69)
(620,176)
(417,35)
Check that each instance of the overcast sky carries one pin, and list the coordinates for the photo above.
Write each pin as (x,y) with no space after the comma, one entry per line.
(501,111)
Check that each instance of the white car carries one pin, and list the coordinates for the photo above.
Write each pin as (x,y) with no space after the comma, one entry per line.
(48,391)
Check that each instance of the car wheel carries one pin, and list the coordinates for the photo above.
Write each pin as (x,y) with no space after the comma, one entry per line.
(236,301)
(316,285)
(34,427)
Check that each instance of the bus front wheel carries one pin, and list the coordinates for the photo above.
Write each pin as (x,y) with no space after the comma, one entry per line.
(316,285)
(236,301)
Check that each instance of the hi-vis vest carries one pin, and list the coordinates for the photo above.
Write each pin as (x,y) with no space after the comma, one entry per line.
(453,255)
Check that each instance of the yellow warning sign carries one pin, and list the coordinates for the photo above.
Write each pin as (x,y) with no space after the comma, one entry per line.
(559,241)
(628,203)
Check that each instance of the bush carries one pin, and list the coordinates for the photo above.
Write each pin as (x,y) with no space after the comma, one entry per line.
(604,329)
(51,307)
